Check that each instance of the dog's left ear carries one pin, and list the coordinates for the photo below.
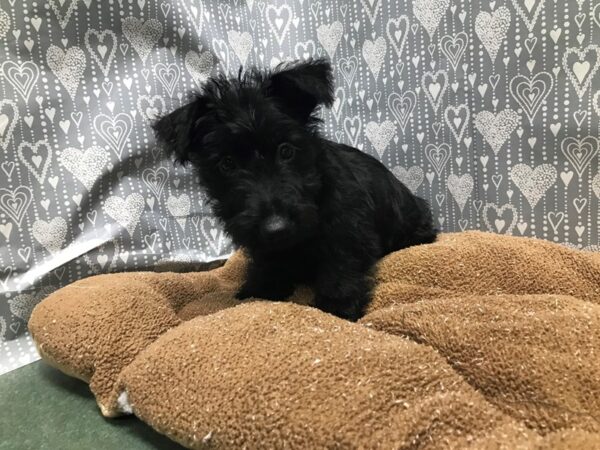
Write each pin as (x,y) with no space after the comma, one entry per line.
(175,131)
(303,86)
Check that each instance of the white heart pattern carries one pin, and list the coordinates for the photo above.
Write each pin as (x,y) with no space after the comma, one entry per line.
(142,35)
(9,115)
(374,54)
(36,157)
(497,128)
(438,156)
(397,31)
(102,46)
(457,118)
(241,43)
(530,93)
(67,66)
(533,182)
(199,66)
(580,152)
(581,66)
(86,166)
(402,106)
(461,188)
(279,19)
(329,36)
(179,207)
(155,179)
(22,76)
(51,235)
(380,135)
(168,75)
(492,29)
(411,178)
(435,84)
(22,305)
(429,13)
(114,130)
(504,219)
(453,47)
(4,23)
(126,212)
(15,202)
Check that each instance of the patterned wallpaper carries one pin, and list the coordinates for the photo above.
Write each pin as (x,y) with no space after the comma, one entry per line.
(489,109)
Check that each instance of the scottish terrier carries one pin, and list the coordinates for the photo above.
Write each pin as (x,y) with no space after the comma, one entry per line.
(306,210)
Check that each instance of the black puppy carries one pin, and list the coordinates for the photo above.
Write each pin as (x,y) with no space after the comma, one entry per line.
(307,210)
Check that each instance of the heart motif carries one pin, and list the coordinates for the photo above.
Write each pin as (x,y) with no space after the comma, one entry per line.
(86,166)
(36,157)
(596,185)
(533,183)
(67,66)
(434,85)
(102,46)
(142,35)
(151,108)
(402,106)
(374,53)
(380,135)
(530,93)
(213,234)
(371,7)
(104,257)
(114,130)
(179,207)
(16,202)
(338,103)
(453,47)
(168,75)
(195,11)
(305,50)
(199,66)
(9,115)
(438,156)
(500,219)
(51,235)
(397,30)
(596,14)
(22,76)
(22,305)
(353,127)
(126,212)
(596,103)
(460,188)
(581,66)
(4,23)
(580,152)
(241,43)
(411,178)
(530,12)
(348,67)
(279,19)
(62,13)
(497,128)
(492,29)
(155,179)
(330,36)
(457,118)
(430,13)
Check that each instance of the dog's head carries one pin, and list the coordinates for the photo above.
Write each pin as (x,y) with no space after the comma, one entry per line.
(254,142)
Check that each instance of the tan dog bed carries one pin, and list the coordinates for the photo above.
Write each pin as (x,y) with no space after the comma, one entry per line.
(475,341)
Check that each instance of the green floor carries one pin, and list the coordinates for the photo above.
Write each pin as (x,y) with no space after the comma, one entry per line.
(40,408)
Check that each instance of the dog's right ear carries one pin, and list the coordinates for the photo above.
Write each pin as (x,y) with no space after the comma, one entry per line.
(176,131)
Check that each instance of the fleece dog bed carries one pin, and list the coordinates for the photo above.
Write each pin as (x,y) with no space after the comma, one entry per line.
(475,341)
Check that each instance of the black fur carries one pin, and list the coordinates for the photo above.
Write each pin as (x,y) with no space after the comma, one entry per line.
(307,210)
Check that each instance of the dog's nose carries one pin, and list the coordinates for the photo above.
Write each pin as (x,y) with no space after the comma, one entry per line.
(275,225)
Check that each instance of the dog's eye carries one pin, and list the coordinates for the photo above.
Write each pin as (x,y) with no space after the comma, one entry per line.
(286,152)
(227,164)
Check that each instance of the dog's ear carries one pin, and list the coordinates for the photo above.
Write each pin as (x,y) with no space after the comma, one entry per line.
(176,130)
(302,86)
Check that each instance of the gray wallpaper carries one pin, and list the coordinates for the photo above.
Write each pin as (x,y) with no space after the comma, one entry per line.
(489,109)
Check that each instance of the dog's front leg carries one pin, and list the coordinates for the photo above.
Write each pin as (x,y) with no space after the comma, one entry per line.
(342,290)
(266,280)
